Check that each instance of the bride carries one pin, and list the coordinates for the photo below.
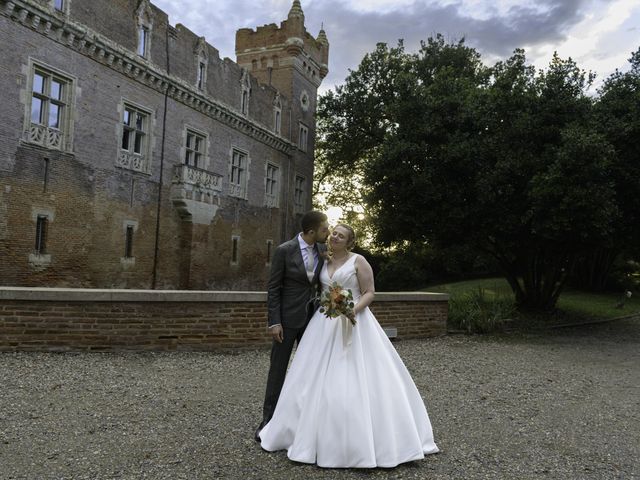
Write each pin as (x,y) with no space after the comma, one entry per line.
(348,400)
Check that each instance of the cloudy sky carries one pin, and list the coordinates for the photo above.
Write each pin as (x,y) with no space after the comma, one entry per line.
(599,34)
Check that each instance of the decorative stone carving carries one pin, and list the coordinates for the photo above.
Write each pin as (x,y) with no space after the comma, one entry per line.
(133,161)
(236,190)
(195,193)
(47,137)
(271,201)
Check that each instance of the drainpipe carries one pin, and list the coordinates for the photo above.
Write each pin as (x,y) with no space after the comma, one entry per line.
(154,276)
(286,234)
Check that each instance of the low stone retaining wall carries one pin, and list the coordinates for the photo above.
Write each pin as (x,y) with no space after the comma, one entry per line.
(55,319)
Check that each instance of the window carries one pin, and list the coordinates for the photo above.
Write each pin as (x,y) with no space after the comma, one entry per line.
(59,5)
(277,115)
(202,59)
(40,259)
(194,149)
(128,241)
(269,249)
(245,87)
(298,194)
(272,185)
(135,141)
(41,234)
(134,130)
(235,247)
(277,122)
(49,107)
(202,68)
(143,41)
(144,19)
(245,102)
(302,138)
(238,174)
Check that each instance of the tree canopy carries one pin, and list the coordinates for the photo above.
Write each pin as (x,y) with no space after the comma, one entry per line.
(517,163)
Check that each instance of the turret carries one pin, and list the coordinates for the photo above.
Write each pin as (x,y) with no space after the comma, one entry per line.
(270,48)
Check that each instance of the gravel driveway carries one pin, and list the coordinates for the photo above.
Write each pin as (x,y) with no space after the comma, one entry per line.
(561,404)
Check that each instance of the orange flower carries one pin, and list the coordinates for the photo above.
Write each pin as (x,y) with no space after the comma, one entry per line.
(337,296)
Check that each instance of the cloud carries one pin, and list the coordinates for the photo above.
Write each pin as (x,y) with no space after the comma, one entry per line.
(354,32)
(494,27)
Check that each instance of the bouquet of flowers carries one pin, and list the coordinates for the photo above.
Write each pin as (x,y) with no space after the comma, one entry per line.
(338,301)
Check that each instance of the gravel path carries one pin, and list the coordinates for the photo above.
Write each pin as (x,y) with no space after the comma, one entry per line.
(562,404)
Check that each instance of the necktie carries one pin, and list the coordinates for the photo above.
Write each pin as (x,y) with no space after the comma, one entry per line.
(310,259)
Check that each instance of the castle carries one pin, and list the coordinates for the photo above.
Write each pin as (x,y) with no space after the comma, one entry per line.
(133,156)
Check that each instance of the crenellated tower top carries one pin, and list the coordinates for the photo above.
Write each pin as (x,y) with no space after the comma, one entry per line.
(269,51)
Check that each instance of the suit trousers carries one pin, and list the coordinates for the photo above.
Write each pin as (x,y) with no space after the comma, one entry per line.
(280,356)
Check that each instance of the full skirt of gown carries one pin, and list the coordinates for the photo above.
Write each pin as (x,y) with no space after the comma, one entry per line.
(348,400)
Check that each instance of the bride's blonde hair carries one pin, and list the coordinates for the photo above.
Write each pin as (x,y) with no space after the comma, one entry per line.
(351,241)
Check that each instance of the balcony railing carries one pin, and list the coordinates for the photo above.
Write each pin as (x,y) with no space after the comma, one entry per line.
(45,136)
(186,174)
(271,201)
(133,161)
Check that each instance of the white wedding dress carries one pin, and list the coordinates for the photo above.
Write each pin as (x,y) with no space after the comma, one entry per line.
(348,400)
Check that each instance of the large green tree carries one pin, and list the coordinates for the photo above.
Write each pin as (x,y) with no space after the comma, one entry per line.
(618,119)
(504,159)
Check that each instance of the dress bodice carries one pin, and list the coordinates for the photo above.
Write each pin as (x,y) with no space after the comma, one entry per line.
(345,276)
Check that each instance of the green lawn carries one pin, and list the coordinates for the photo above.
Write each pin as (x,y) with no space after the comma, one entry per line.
(572,303)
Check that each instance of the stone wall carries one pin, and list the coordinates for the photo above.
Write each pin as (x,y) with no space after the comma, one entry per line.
(41,319)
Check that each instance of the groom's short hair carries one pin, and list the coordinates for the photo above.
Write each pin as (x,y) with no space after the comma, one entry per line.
(312,221)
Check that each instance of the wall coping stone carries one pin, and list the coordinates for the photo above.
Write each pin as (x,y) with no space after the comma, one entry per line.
(129,295)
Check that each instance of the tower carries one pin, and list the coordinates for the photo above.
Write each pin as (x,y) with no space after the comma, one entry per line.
(288,58)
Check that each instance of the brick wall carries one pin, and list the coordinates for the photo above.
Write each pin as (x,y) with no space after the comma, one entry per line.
(89,198)
(43,319)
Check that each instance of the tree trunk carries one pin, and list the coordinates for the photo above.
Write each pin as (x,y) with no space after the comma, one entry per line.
(544,276)
(537,279)
(592,270)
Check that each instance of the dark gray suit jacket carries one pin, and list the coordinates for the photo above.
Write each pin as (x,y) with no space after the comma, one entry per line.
(289,290)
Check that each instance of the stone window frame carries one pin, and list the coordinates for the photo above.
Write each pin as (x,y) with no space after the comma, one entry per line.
(277,115)
(185,149)
(269,252)
(235,250)
(144,29)
(41,134)
(129,159)
(40,260)
(299,193)
(239,189)
(202,64)
(272,185)
(127,227)
(245,92)
(303,137)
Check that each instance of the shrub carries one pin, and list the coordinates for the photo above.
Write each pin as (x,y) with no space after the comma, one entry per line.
(476,312)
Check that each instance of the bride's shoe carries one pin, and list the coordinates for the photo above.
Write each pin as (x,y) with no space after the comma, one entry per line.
(256,436)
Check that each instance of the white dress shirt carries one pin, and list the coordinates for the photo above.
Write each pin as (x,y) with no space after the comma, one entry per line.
(305,252)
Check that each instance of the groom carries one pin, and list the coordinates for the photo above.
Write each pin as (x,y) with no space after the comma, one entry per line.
(293,282)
